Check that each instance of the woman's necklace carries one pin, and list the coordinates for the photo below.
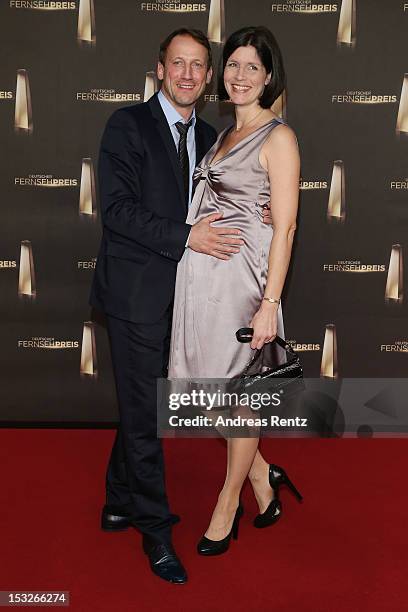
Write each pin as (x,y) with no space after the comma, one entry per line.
(238,129)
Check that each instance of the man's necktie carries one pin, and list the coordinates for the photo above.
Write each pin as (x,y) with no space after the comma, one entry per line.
(182,129)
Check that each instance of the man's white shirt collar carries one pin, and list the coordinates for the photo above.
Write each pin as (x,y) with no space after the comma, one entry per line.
(172,115)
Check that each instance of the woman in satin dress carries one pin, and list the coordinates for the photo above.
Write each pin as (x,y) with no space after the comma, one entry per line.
(253,164)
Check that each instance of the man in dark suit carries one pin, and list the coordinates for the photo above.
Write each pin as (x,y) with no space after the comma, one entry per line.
(148,152)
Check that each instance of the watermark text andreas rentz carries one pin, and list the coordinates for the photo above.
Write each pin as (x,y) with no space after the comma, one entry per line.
(208,401)
(238,421)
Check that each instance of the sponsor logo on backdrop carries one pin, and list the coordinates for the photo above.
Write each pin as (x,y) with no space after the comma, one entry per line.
(399,346)
(402,117)
(310,185)
(346,32)
(42,5)
(86,31)
(363,97)
(394,286)
(26,278)
(23,115)
(108,95)
(216,22)
(87,192)
(336,208)
(45,342)
(304,7)
(88,366)
(211,98)
(302,347)
(44,180)
(151,85)
(177,6)
(6,95)
(6,264)
(405,7)
(87,264)
(329,365)
(279,107)
(353,266)
(398,185)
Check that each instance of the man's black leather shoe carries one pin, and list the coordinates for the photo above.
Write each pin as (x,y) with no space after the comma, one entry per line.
(115,519)
(164,561)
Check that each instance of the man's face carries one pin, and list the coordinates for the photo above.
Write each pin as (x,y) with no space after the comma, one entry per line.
(184,74)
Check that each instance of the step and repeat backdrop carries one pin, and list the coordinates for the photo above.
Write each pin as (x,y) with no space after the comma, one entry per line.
(66,66)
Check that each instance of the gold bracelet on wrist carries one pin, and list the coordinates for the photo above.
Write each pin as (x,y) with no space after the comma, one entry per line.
(272,300)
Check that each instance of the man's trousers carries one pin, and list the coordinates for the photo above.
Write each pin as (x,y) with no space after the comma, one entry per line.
(135,479)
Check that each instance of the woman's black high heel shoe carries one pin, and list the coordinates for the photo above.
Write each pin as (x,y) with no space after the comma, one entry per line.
(209,547)
(277,477)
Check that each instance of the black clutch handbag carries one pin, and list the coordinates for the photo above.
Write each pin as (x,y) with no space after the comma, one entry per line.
(264,373)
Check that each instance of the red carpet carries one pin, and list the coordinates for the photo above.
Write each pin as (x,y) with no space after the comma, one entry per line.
(344,548)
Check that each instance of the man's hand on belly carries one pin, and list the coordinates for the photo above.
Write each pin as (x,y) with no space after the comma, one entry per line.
(215,241)
(266,214)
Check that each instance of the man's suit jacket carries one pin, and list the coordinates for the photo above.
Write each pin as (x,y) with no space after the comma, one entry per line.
(143,212)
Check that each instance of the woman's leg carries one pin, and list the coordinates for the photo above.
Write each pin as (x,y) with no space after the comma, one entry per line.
(241,453)
(259,478)
(258,473)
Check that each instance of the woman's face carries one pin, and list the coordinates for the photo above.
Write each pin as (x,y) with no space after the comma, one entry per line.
(245,76)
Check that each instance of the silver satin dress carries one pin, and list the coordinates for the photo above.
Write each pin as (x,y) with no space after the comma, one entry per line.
(214,297)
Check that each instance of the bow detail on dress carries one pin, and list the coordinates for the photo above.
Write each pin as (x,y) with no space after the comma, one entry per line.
(204,173)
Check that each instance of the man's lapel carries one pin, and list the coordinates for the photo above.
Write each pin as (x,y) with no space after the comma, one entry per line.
(168,142)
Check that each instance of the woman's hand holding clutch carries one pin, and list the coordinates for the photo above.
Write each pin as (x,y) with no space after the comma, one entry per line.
(264,324)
